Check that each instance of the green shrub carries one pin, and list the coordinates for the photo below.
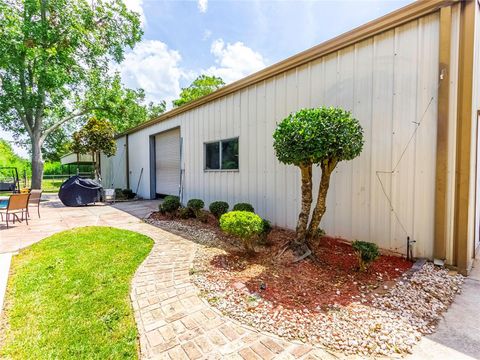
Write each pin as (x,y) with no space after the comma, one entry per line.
(218,208)
(195,204)
(128,193)
(170,204)
(185,213)
(244,225)
(266,229)
(243,207)
(366,252)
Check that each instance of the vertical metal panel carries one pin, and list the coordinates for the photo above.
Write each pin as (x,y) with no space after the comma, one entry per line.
(404,126)
(386,81)
(452,130)
(382,109)
(425,152)
(114,168)
(362,108)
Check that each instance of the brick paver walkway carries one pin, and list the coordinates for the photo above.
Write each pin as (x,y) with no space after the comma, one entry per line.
(173,322)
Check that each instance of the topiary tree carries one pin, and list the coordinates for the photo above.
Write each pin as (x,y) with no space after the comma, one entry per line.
(320,136)
(244,225)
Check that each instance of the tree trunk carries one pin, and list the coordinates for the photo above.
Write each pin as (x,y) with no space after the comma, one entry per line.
(321,205)
(37,163)
(306,172)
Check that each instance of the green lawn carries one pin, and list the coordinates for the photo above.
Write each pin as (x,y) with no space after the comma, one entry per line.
(68,296)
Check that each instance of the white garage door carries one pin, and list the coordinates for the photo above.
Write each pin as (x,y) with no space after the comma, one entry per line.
(167,162)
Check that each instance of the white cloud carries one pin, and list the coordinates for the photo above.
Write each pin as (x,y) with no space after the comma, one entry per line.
(202,5)
(206,35)
(234,61)
(137,6)
(155,68)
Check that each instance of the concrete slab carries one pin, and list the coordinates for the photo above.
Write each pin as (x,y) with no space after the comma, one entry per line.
(458,333)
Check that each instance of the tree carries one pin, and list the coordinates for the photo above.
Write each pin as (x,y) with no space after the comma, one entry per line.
(54,64)
(95,136)
(201,86)
(322,136)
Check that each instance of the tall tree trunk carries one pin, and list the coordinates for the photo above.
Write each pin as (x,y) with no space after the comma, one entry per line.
(306,172)
(321,205)
(37,162)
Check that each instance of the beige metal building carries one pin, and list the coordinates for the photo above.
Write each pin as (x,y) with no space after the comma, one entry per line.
(412,80)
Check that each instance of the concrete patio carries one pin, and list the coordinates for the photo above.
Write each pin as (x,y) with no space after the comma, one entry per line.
(174,323)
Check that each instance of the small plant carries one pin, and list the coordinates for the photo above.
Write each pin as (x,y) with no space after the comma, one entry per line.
(243,207)
(170,204)
(128,193)
(366,252)
(266,229)
(244,225)
(218,208)
(185,213)
(196,205)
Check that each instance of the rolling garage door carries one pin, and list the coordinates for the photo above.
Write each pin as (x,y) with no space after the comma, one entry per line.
(167,162)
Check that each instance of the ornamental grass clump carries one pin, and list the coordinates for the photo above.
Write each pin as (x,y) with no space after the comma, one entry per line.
(366,252)
(218,208)
(245,225)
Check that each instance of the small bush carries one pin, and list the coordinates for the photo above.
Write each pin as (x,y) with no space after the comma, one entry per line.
(243,207)
(170,204)
(266,229)
(185,213)
(128,193)
(218,208)
(366,252)
(244,225)
(195,204)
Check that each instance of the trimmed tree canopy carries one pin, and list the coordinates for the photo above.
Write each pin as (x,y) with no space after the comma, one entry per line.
(311,136)
(322,136)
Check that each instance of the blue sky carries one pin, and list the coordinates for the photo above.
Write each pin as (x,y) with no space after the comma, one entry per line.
(231,39)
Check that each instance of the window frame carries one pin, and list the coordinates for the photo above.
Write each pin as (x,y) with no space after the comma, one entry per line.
(220,155)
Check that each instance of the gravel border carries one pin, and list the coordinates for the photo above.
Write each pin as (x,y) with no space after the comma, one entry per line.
(391,326)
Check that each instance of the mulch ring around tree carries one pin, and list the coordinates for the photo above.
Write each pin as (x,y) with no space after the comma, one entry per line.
(383,311)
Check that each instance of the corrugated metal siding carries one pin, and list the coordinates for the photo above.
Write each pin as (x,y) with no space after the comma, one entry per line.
(167,162)
(389,82)
(113,169)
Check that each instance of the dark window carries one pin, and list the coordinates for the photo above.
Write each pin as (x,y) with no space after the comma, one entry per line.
(222,155)
(212,156)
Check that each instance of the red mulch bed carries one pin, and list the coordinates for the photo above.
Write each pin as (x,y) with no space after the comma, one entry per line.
(305,284)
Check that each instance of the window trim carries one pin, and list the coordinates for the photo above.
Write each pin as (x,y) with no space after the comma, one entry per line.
(220,155)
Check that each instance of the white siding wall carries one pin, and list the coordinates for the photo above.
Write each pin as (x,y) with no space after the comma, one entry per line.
(390,84)
(113,169)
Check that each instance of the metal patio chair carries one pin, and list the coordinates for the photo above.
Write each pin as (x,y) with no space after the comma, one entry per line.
(17,204)
(35,196)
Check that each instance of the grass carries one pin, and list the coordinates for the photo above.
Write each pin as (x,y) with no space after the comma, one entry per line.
(68,296)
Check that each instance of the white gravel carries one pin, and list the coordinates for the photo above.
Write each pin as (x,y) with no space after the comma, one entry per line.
(390,327)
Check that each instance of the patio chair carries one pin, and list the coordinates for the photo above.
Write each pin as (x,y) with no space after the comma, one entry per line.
(35,196)
(17,204)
